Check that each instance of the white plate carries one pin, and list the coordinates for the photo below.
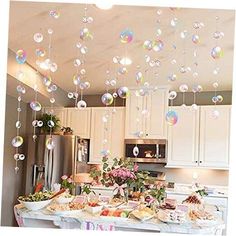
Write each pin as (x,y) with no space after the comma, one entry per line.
(135,213)
(162,217)
(60,213)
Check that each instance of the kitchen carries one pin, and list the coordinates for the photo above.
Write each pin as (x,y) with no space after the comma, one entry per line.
(186,149)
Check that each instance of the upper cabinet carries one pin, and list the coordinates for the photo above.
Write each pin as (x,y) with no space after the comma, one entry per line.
(114,135)
(183,138)
(147,114)
(214,137)
(200,140)
(60,112)
(79,121)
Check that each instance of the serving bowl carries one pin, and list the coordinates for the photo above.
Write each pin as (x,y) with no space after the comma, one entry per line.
(63,200)
(34,206)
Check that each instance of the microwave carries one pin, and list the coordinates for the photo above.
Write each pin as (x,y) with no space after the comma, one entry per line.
(146,150)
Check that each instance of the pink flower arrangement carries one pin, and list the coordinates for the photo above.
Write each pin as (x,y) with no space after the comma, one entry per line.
(121,175)
(67,182)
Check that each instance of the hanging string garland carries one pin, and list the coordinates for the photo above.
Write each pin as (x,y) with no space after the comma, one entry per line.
(18,140)
(80,75)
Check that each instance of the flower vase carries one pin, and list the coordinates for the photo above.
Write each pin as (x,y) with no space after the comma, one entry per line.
(121,192)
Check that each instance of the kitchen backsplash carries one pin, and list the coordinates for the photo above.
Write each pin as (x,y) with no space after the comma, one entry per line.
(185,175)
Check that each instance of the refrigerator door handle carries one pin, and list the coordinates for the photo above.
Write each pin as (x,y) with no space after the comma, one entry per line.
(34,175)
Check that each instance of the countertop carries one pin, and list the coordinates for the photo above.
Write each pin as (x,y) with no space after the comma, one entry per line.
(26,218)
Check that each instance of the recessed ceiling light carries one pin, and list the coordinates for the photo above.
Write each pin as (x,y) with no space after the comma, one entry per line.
(104,5)
(125,61)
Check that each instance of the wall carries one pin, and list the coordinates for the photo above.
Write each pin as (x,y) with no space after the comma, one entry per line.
(12,184)
(184,175)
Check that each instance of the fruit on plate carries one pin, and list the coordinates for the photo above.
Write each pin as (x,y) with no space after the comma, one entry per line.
(93,204)
(115,213)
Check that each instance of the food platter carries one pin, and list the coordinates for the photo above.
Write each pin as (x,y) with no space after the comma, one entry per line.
(172,216)
(143,214)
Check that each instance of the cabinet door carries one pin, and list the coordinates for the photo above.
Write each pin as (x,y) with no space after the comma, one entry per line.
(79,121)
(117,133)
(97,134)
(114,134)
(157,104)
(183,139)
(134,121)
(60,112)
(214,137)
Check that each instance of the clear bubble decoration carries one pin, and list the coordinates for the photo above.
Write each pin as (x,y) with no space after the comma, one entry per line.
(87,85)
(16,157)
(18,124)
(123,92)
(183,88)
(53,67)
(215,99)
(35,123)
(220,98)
(115,95)
(126,36)
(195,38)
(85,34)
(21,157)
(50,31)
(147,58)
(139,134)
(116,59)
(82,71)
(76,79)
(147,45)
(47,80)
(38,37)
(81,104)
(215,114)
(50,145)
(122,71)
(215,85)
(135,151)
(35,106)
(171,117)
(50,123)
(158,32)
(84,50)
(40,52)
(172,95)
(172,77)
(21,56)
(197,88)
(75,95)
(139,77)
(17,141)
(107,99)
(194,107)
(218,35)
(174,22)
(216,71)
(54,14)
(52,100)
(113,82)
(40,123)
(157,45)
(183,34)
(105,152)
(77,62)
(70,95)
(217,52)
(198,25)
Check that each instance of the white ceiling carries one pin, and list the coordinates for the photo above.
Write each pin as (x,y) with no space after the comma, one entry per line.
(27,18)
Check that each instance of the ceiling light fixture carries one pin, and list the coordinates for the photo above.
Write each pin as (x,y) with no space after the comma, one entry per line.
(125,61)
(104,5)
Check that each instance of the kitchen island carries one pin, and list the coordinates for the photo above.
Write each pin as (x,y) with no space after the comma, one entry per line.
(85,221)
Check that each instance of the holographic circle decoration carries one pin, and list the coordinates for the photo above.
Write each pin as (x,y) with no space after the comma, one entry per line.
(17,141)
(147,45)
(139,77)
(21,56)
(50,144)
(172,95)
(183,88)
(126,36)
(81,104)
(172,77)
(85,34)
(107,99)
(217,52)
(157,45)
(171,117)
(35,106)
(195,39)
(40,52)
(55,14)
(123,92)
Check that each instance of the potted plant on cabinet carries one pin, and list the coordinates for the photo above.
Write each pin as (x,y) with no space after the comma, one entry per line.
(46,118)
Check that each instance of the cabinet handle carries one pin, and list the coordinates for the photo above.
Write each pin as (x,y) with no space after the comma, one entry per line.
(200,161)
(195,161)
(146,134)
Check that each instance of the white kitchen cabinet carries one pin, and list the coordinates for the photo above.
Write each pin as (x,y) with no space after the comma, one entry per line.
(183,138)
(214,137)
(60,112)
(152,125)
(199,140)
(114,134)
(79,121)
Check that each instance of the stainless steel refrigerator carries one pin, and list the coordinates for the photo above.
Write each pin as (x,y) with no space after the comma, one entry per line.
(69,156)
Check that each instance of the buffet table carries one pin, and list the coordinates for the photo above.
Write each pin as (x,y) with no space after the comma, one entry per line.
(85,221)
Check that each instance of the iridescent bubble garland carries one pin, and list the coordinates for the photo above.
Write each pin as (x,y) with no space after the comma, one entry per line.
(18,140)
(85,35)
(216,53)
(171,115)
(196,40)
